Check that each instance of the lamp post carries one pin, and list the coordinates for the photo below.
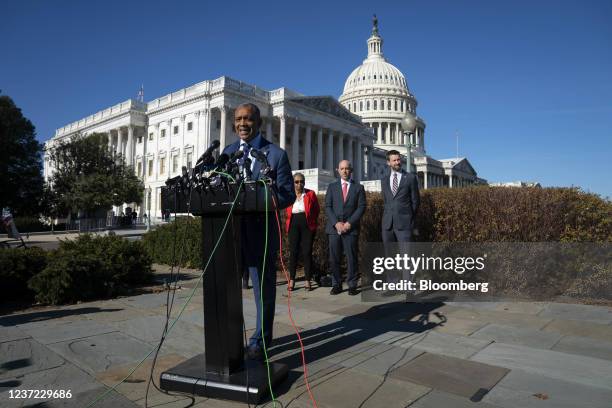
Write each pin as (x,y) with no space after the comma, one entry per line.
(408,125)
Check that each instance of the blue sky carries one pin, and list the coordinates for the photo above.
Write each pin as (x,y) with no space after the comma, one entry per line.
(526,84)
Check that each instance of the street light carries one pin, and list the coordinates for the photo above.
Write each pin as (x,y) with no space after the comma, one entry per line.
(408,126)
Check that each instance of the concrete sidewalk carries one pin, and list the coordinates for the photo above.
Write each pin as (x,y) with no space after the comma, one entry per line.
(359,354)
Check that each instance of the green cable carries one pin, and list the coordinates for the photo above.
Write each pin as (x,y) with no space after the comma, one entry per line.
(114,387)
(263,271)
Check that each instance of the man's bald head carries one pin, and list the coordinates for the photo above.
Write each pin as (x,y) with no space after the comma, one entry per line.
(345,169)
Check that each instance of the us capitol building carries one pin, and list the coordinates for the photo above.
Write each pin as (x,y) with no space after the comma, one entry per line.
(157,138)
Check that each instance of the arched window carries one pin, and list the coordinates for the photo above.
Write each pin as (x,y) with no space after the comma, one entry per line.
(368,105)
(389,104)
(354,106)
(402,105)
(374,76)
(396,104)
(360,106)
(375,105)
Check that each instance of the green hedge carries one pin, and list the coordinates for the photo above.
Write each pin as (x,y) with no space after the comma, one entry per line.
(469,214)
(177,242)
(91,267)
(17,266)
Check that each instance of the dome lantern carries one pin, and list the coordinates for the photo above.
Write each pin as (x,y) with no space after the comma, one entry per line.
(375,41)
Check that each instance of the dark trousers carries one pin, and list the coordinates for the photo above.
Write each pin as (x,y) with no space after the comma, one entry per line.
(300,241)
(394,235)
(338,244)
(266,310)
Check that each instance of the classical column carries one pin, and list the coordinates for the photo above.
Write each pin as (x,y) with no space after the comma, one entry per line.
(196,147)
(295,146)
(110,141)
(145,142)
(169,150)
(130,145)
(283,130)
(358,161)
(320,148)
(308,147)
(269,131)
(206,131)
(370,167)
(182,146)
(425,179)
(349,154)
(340,147)
(222,135)
(117,146)
(379,135)
(330,150)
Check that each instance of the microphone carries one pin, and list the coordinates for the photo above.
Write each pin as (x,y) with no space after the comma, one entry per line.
(263,159)
(237,155)
(207,155)
(222,161)
(248,174)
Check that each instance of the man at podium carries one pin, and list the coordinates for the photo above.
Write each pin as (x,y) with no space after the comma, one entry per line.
(247,121)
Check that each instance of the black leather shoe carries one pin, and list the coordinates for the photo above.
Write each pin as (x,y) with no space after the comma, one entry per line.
(353,291)
(335,290)
(255,353)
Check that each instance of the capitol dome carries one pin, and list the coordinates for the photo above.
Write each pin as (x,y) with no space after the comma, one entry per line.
(377,92)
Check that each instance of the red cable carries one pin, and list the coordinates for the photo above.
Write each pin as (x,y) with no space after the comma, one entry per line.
(297,332)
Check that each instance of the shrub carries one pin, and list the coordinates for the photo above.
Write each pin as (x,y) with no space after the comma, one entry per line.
(179,242)
(469,214)
(17,266)
(91,267)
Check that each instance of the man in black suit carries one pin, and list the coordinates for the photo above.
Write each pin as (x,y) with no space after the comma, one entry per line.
(345,203)
(400,191)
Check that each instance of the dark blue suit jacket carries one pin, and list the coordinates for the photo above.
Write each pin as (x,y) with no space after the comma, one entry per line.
(400,210)
(253,227)
(339,211)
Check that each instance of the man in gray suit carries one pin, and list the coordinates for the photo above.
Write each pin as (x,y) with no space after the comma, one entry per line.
(400,191)
(345,203)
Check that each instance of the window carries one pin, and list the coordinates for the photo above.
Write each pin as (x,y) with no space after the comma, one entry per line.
(367,105)
(354,106)
(389,104)
(175,163)
(151,136)
(150,171)
(139,139)
(139,172)
(189,126)
(175,130)
(375,105)
(382,105)
(163,133)
(189,160)
(360,105)
(162,165)
(402,105)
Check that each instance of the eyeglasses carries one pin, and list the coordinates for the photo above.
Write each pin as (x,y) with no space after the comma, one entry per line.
(298,181)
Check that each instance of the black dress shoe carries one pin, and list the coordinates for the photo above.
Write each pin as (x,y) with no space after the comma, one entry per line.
(255,353)
(335,290)
(353,291)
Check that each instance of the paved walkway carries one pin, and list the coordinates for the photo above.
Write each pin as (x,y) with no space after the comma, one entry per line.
(360,354)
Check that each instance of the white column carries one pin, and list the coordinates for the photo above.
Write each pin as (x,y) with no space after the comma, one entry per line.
(320,148)
(308,147)
(349,154)
(206,130)
(223,136)
(110,141)
(340,147)
(283,132)
(295,146)
(358,161)
(196,147)
(130,146)
(426,180)
(145,163)
(269,131)
(379,139)
(330,150)
(169,150)
(370,166)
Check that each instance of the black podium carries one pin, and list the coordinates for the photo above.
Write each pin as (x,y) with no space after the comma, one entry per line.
(222,371)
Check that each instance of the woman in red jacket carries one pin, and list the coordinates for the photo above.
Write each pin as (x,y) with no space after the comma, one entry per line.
(301,225)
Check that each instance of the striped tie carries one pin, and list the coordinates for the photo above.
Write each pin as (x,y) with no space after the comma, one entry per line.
(394,188)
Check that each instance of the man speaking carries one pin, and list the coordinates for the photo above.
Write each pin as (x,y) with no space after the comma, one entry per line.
(247,121)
